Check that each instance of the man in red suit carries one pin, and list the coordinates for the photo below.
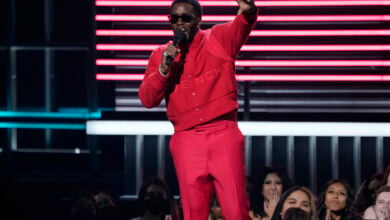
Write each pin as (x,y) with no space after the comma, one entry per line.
(196,76)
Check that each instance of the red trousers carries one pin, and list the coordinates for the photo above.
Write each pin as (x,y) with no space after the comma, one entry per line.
(211,157)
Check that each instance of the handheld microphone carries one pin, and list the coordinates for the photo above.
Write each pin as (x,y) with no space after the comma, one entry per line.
(178,37)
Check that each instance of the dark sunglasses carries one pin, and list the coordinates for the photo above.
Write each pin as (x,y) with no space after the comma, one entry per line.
(186,18)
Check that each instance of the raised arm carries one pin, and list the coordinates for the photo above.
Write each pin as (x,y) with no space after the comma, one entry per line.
(246,6)
(232,35)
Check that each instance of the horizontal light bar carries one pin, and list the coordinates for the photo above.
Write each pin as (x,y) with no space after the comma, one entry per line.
(53,151)
(62,115)
(258,3)
(315,47)
(150,47)
(313,63)
(127,47)
(335,78)
(247,128)
(30,125)
(258,77)
(113,76)
(121,62)
(254,33)
(138,62)
(261,18)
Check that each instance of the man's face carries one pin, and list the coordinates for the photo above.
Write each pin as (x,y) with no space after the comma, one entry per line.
(183,17)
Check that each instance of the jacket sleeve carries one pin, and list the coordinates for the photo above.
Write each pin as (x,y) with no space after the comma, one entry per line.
(153,86)
(232,35)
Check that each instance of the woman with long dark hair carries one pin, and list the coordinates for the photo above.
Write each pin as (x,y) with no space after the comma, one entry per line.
(156,202)
(335,201)
(265,191)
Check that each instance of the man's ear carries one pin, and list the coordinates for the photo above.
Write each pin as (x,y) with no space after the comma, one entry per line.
(199,21)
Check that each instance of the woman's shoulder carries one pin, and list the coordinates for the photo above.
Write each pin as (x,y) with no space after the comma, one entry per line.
(369,213)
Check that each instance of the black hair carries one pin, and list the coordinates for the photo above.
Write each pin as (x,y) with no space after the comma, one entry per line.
(296,214)
(346,213)
(83,206)
(195,5)
(172,210)
(365,196)
(386,174)
(256,197)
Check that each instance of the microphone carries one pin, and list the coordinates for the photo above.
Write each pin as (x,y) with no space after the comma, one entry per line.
(178,37)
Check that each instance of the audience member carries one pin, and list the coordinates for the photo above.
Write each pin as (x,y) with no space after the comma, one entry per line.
(156,201)
(381,209)
(335,201)
(265,191)
(84,207)
(215,210)
(366,194)
(296,197)
(296,214)
(106,208)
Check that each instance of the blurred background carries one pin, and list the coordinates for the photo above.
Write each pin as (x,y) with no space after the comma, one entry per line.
(66,62)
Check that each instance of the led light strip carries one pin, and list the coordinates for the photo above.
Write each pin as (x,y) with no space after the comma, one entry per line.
(150,47)
(255,33)
(258,77)
(32,125)
(247,128)
(258,63)
(67,115)
(261,18)
(259,3)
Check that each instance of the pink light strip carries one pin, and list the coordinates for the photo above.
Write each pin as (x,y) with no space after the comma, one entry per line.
(114,76)
(127,47)
(312,63)
(121,62)
(138,77)
(135,62)
(150,47)
(259,3)
(257,33)
(261,18)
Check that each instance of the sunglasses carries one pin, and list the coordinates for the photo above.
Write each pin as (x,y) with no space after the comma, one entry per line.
(186,18)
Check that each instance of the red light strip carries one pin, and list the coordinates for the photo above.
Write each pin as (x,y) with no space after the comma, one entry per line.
(114,76)
(261,18)
(150,47)
(127,47)
(258,63)
(312,63)
(315,47)
(259,3)
(138,77)
(256,33)
(121,62)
